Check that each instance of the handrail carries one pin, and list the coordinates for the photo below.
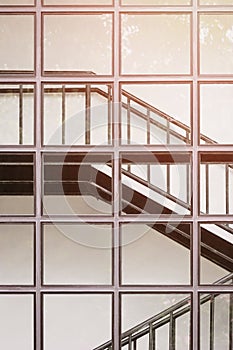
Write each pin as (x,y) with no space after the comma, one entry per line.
(162,317)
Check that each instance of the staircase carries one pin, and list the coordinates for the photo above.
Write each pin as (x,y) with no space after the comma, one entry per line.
(138,195)
(148,328)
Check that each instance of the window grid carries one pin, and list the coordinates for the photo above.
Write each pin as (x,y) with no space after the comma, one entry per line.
(195,289)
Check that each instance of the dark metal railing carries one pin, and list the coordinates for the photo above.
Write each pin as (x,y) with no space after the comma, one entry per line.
(168,317)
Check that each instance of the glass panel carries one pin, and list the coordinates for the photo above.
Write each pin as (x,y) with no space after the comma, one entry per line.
(216,38)
(16,2)
(77,114)
(155,183)
(77,184)
(16,321)
(216,105)
(88,35)
(147,117)
(77,254)
(155,2)
(216,261)
(215,315)
(158,313)
(216,2)
(16,254)
(16,184)
(142,252)
(144,53)
(16,114)
(16,40)
(80,321)
(216,169)
(77,2)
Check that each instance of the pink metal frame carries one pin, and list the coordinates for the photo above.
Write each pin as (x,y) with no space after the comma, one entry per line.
(117,79)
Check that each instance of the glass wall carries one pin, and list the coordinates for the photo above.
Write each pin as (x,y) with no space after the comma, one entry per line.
(116,174)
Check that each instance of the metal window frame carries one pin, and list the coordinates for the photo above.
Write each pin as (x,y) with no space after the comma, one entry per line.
(117,80)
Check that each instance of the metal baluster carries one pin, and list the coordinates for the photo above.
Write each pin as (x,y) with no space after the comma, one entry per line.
(128,121)
(151,338)
(212,322)
(135,345)
(187,184)
(88,114)
(172,332)
(130,343)
(63,99)
(227,188)
(168,165)
(148,142)
(128,128)
(207,187)
(231,321)
(21,114)
(109,114)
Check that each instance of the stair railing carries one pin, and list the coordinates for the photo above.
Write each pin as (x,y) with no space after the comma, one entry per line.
(168,317)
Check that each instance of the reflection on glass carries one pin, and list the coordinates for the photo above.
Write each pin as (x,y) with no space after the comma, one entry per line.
(148,118)
(84,40)
(77,184)
(150,318)
(216,183)
(142,253)
(215,313)
(143,52)
(80,321)
(216,105)
(155,183)
(16,114)
(216,260)
(16,41)
(77,2)
(16,321)
(16,184)
(77,254)
(216,49)
(155,2)
(16,254)
(77,114)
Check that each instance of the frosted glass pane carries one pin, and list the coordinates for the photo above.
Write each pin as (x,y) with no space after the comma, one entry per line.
(16,115)
(77,2)
(84,40)
(216,49)
(16,254)
(79,321)
(155,2)
(17,2)
(216,2)
(16,322)
(17,41)
(143,52)
(77,254)
(216,116)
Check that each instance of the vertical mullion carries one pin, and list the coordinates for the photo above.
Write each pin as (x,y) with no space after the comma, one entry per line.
(231,321)
(21,114)
(116,177)
(38,122)
(195,179)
